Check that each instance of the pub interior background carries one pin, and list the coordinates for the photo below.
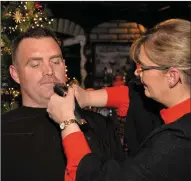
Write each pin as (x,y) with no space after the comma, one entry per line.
(95,37)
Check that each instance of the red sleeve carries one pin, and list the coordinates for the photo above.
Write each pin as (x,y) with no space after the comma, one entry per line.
(75,147)
(118,97)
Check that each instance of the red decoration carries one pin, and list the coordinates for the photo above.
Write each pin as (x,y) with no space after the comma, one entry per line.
(118,81)
(38,6)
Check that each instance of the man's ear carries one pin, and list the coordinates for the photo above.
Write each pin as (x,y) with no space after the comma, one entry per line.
(14,73)
(173,76)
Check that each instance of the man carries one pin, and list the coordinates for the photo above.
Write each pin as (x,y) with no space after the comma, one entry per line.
(31,141)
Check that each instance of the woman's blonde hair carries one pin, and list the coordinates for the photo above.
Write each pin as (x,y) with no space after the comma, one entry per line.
(167,44)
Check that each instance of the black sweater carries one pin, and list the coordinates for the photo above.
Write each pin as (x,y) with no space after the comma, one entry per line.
(165,155)
(142,118)
(32,148)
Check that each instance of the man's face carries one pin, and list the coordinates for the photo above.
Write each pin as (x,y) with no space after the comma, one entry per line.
(39,66)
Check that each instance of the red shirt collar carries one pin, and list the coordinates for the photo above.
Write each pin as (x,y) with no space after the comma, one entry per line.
(172,114)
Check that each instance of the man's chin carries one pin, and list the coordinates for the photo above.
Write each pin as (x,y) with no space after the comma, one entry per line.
(47,94)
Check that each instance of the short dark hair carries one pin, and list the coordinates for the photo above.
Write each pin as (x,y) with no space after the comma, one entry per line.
(37,32)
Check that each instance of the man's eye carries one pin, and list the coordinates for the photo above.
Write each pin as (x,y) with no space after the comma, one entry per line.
(56,60)
(34,64)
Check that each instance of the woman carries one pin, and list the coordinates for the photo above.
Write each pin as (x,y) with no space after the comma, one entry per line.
(164,57)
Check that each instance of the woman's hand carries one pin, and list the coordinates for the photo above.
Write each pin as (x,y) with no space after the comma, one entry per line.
(82,96)
(62,108)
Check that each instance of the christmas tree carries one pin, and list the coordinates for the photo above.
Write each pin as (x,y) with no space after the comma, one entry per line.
(17,17)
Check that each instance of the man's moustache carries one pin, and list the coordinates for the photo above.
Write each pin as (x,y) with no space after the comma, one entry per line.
(49,81)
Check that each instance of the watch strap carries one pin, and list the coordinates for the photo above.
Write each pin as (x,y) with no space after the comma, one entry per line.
(64,124)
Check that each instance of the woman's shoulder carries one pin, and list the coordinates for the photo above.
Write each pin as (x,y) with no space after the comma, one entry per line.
(176,131)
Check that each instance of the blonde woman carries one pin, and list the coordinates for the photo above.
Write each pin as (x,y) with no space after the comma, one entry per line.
(164,59)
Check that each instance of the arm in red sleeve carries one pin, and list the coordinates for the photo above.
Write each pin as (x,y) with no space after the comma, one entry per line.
(118,97)
(76,147)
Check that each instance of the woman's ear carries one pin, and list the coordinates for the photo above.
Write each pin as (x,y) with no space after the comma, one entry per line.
(173,76)
(14,73)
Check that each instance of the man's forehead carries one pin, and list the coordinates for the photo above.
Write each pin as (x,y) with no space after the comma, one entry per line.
(27,39)
(31,47)
(29,43)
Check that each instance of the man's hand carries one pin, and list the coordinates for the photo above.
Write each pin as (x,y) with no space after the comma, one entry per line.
(62,108)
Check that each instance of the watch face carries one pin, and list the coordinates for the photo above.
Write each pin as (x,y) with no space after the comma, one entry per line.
(62,125)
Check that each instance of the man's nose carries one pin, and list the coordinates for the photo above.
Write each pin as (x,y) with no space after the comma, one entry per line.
(48,69)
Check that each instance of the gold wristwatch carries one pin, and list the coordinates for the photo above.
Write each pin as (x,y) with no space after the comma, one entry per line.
(66,123)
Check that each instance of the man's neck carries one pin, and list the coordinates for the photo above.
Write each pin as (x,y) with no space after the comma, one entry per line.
(34,104)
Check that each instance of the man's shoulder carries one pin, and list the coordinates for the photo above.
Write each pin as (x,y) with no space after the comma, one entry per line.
(95,118)
(97,121)
(19,117)
(11,118)
(11,115)
(103,131)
